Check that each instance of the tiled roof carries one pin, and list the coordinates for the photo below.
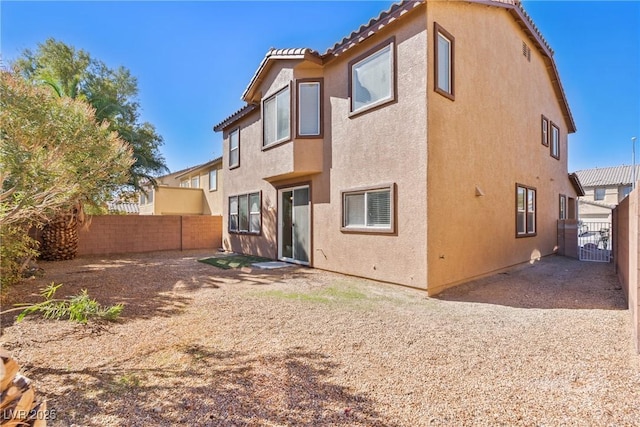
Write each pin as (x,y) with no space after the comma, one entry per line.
(373,26)
(235,116)
(598,204)
(200,166)
(385,18)
(614,175)
(129,208)
(272,54)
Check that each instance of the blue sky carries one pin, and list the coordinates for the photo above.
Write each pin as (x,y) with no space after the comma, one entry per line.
(193,60)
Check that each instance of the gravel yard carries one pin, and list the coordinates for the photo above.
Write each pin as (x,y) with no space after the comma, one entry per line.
(546,344)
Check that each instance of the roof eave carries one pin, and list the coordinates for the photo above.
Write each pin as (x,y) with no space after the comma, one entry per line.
(199,167)
(268,60)
(575,182)
(244,111)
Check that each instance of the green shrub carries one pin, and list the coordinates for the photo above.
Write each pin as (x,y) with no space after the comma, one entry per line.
(77,308)
(17,249)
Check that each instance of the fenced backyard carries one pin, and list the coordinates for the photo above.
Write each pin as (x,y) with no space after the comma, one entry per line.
(543,344)
(119,234)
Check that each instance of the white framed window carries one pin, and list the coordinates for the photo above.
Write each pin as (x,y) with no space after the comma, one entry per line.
(234,148)
(143,199)
(233,213)
(625,191)
(309,108)
(370,209)
(195,182)
(276,118)
(372,78)
(563,207)
(444,53)
(254,213)
(245,214)
(184,183)
(150,196)
(525,211)
(555,141)
(213,179)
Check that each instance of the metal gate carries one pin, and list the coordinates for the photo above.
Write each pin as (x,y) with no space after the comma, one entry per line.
(594,241)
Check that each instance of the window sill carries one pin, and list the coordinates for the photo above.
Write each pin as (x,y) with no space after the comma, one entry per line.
(370,107)
(520,236)
(367,230)
(234,166)
(445,94)
(275,144)
(249,233)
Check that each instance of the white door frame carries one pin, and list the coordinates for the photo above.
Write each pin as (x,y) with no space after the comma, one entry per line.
(280,223)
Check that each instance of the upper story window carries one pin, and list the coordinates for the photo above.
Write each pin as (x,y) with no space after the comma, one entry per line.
(309,108)
(213,180)
(444,62)
(184,183)
(545,131)
(234,148)
(276,117)
(195,182)
(525,211)
(372,77)
(599,193)
(555,141)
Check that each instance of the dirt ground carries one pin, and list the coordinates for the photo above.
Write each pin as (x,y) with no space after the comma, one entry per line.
(543,344)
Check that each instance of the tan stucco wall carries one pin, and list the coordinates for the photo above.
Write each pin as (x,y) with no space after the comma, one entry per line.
(486,141)
(489,138)
(178,201)
(171,199)
(373,148)
(386,145)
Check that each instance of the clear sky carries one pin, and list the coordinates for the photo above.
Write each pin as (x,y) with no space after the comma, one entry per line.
(193,60)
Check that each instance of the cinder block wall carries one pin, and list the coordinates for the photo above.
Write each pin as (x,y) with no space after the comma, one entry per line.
(626,217)
(114,234)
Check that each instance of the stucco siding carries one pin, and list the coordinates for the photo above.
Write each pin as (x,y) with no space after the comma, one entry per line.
(385,145)
(485,142)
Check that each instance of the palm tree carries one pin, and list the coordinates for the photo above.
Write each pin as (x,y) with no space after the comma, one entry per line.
(74,74)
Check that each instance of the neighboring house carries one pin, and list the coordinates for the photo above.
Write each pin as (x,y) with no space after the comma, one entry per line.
(426,148)
(193,191)
(123,208)
(604,188)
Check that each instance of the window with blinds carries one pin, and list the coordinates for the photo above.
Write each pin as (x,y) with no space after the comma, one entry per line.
(368,209)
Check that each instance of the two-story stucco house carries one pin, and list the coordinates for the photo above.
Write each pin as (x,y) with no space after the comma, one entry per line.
(192,191)
(426,148)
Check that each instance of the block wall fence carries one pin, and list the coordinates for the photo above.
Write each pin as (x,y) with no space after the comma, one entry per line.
(116,234)
(626,245)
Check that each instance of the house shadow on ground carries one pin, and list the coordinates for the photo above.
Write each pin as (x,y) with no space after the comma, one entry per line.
(554,282)
(212,388)
(148,284)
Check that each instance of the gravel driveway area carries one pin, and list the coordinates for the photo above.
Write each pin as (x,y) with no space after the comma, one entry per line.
(545,344)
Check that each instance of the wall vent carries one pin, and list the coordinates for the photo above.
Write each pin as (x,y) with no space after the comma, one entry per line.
(526,51)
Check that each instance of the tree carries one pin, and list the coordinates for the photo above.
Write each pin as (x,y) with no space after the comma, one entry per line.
(112,92)
(54,156)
